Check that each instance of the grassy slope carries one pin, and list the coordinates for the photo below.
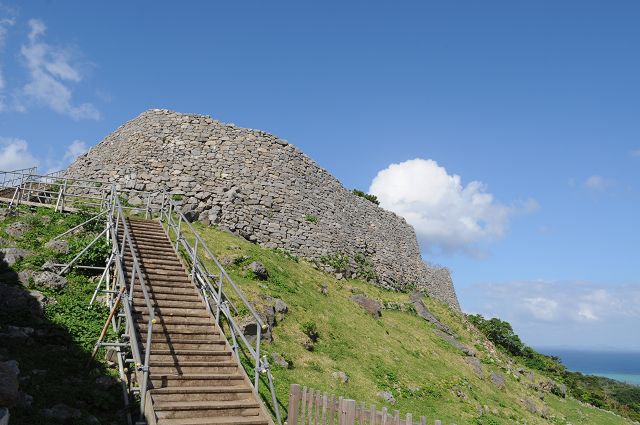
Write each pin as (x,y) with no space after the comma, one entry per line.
(398,352)
(53,366)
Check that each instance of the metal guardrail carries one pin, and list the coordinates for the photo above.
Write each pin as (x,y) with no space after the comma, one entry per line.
(122,245)
(215,285)
(219,289)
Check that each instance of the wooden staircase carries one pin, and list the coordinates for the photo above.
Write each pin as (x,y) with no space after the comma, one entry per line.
(195,377)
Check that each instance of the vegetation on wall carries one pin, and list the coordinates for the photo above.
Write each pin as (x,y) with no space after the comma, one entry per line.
(367,196)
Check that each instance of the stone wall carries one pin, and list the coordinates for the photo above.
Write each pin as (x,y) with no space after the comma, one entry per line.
(266,190)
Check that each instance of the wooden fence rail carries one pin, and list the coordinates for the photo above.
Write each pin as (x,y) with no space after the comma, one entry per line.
(312,407)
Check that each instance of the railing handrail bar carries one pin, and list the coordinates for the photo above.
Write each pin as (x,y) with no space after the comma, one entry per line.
(217,263)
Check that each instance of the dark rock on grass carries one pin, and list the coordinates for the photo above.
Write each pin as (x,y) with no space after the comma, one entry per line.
(340,376)
(308,344)
(280,361)
(476,366)
(58,246)
(497,379)
(423,311)
(324,289)
(281,308)
(106,382)
(370,305)
(9,256)
(387,396)
(49,280)
(62,413)
(17,229)
(451,340)
(259,270)
(9,390)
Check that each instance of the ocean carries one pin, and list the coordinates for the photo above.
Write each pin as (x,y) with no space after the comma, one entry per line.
(621,366)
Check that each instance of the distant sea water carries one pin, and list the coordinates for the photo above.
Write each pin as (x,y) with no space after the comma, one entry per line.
(621,366)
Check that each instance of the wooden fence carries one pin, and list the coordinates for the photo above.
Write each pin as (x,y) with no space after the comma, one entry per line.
(312,407)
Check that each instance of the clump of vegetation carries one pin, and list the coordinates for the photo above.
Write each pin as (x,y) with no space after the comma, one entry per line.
(311,218)
(597,391)
(338,261)
(364,268)
(367,196)
(311,330)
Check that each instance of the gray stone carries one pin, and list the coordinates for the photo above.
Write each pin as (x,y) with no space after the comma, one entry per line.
(58,246)
(9,390)
(49,280)
(369,305)
(324,289)
(4,416)
(280,361)
(281,308)
(62,412)
(497,379)
(340,376)
(259,270)
(476,366)
(453,341)
(9,256)
(261,188)
(387,396)
(423,311)
(17,229)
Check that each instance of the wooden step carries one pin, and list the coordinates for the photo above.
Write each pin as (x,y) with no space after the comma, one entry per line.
(171,368)
(200,409)
(162,311)
(139,303)
(222,393)
(176,320)
(196,380)
(189,355)
(169,290)
(160,297)
(216,420)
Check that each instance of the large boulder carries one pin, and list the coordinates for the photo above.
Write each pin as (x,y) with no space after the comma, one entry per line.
(49,280)
(10,256)
(58,246)
(15,301)
(369,305)
(17,229)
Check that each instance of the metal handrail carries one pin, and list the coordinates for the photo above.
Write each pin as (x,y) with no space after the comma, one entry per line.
(116,218)
(213,289)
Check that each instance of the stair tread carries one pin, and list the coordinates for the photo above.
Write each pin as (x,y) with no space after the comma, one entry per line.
(201,390)
(222,404)
(216,420)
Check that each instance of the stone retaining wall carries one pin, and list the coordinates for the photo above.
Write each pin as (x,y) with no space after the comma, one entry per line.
(266,190)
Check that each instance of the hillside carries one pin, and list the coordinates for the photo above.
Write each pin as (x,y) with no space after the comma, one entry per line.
(398,353)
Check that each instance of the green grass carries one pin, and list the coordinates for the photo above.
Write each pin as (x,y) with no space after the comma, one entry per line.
(398,353)
(53,362)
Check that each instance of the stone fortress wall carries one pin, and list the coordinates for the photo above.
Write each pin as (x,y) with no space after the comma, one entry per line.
(264,189)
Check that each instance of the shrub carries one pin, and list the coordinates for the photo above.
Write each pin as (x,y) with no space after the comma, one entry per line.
(309,328)
(337,261)
(367,196)
(311,218)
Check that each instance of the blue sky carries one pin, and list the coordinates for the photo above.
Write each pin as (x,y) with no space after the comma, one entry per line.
(506,132)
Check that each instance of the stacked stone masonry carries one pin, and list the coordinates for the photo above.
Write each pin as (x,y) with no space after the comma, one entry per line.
(264,189)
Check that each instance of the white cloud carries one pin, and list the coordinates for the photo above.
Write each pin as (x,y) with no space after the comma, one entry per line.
(541,307)
(445,214)
(14,154)
(75,149)
(598,183)
(50,73)
(562,313)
